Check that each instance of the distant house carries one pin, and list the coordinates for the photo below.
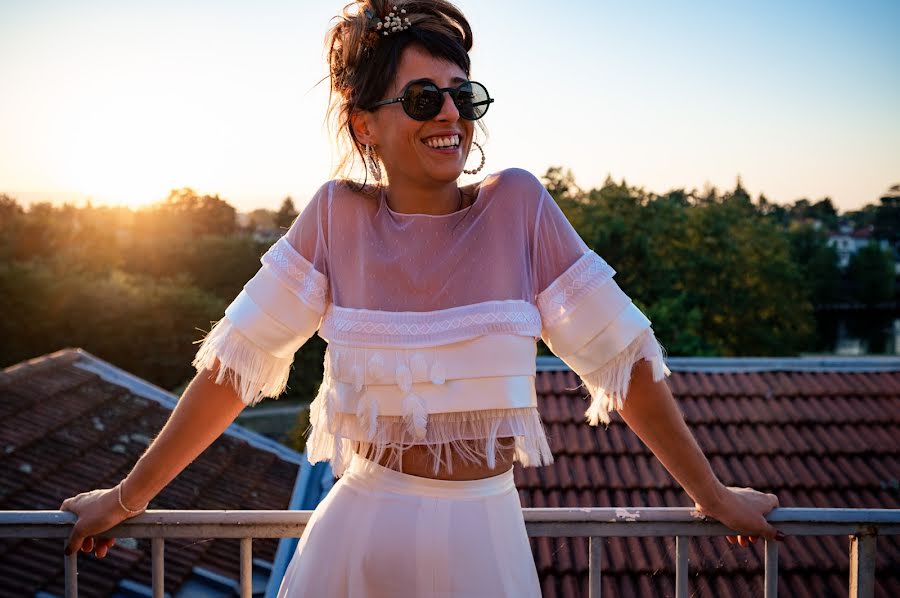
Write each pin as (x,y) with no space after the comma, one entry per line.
(848,241)
(71,422)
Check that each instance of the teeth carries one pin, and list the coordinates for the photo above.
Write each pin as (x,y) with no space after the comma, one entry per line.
(437,142)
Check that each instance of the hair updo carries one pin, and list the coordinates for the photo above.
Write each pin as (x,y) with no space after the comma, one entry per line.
(363,61)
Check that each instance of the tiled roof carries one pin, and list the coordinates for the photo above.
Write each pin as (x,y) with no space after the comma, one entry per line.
(69,423)
(816,437)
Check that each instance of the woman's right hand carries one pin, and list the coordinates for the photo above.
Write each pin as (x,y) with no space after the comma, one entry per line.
(97,511)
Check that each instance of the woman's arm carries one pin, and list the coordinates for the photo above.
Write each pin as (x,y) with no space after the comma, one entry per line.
(651,411)
(203,412)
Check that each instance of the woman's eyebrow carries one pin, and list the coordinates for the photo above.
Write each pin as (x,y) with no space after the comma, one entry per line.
(427,80)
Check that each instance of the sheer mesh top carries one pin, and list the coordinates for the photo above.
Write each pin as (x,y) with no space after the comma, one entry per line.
(432,322)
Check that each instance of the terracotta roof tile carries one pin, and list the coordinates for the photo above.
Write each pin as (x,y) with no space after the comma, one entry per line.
(816,439)
(66,430)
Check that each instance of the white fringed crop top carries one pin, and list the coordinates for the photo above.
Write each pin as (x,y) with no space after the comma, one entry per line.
(432,323)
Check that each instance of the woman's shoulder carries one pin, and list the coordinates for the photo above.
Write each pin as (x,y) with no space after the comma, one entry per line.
(349,194)
(351,187)
(518,183)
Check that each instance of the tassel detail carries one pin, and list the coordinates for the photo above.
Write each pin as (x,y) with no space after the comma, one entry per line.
(335,362)
(608,385)
(252,372)
(357,374)
(418,366)
(367,413)
(415,415)
(376,367)
(438,373)
(404,378)
(470,436)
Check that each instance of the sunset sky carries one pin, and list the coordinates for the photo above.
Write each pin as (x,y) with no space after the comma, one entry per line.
(122,100)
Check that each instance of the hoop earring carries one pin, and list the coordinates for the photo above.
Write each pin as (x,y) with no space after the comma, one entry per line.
(373,164)
(480,166)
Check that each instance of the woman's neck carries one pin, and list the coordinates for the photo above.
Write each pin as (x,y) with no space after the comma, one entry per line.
(409,198)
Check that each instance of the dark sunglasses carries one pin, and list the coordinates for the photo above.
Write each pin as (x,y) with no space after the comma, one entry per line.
(422,100)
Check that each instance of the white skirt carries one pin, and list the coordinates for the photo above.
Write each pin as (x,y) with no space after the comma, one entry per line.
(383,533)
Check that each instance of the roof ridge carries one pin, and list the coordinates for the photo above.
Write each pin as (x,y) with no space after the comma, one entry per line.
(809,363)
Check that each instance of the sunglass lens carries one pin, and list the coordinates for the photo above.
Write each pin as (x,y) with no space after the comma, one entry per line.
(422,101)
(472,100)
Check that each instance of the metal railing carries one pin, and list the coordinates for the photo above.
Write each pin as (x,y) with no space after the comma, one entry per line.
(862,526)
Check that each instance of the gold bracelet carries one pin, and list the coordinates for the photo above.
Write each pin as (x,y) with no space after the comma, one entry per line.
(121,504)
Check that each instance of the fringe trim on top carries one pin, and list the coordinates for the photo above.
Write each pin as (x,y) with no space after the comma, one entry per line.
(253,372)
(474,436)
(608,385)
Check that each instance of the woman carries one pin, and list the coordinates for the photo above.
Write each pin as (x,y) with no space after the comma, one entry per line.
(431,297)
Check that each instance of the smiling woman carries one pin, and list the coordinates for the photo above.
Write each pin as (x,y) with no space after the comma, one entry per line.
(431,298)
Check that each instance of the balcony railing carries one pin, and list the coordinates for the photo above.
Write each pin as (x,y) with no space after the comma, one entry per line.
(862,526)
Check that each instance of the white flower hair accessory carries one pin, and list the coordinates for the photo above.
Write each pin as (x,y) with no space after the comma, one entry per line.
(391,23)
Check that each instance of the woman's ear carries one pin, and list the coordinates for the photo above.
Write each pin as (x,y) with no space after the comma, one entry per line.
(361,122)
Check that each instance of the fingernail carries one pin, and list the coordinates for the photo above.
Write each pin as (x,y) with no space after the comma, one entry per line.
(779,536)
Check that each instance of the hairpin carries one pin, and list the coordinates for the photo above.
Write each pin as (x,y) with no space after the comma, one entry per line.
(393,21)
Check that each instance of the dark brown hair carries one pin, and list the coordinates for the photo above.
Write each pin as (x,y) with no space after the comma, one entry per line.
(363,62)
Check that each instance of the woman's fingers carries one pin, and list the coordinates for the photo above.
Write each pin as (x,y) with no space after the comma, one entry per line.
(103,546)
(88,544)
(76,539)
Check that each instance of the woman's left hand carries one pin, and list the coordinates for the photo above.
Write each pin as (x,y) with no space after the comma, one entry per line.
(744,510)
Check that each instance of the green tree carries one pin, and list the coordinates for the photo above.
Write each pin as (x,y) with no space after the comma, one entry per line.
(286,214)
(561,184)
(887,216)
(871,272)
(715,276)
(141,325)
(12,219)
(818,263)
(186,212)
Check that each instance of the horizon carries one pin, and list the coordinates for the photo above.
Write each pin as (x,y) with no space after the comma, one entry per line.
(222,98)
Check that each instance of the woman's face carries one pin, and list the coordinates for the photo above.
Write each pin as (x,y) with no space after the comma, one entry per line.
(400,139)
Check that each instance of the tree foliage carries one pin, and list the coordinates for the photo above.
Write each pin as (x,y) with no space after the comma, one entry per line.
(286,214)
(716,272)
(871,271)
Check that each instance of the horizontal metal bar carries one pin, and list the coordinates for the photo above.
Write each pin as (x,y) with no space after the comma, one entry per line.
(553,522)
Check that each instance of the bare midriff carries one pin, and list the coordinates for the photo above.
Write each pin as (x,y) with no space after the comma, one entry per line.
(417,461)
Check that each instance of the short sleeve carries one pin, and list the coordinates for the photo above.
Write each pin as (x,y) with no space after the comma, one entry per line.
(586,319)
(253,345)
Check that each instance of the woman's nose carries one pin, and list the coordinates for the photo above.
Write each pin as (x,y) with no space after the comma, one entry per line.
(449,111)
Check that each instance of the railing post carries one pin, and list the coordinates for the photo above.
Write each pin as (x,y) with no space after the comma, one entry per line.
(246,567)
(595,551)
(71,562)
(681,567)
(862,565)
(157,546)
(771,565)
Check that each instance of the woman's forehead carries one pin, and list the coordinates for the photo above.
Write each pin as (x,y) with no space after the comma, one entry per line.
(416,63)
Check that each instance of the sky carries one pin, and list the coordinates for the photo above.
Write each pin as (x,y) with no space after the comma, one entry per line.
(121,101)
